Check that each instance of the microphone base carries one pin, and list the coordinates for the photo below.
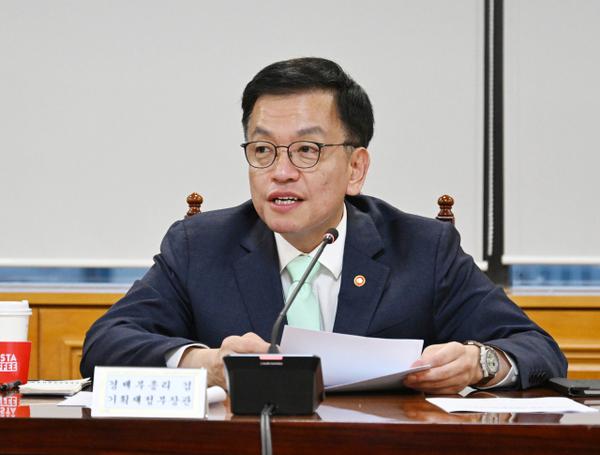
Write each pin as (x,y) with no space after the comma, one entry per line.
(292,384)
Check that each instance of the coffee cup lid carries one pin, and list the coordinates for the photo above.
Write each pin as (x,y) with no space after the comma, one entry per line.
(17,307)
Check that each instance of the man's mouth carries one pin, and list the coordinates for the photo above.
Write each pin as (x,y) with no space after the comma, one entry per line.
(285,200)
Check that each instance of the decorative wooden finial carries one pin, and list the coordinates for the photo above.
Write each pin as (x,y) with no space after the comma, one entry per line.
(446,203)
(194,202)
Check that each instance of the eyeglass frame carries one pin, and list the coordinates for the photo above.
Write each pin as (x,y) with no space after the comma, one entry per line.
(244,145)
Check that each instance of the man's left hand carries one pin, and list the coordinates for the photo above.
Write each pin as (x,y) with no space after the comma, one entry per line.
(453,367)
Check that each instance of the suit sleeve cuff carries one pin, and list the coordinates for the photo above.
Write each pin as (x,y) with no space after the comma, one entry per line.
(173,356)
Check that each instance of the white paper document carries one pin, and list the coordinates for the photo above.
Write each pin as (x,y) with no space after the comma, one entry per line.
(355,363)
(82,399)
(546,404)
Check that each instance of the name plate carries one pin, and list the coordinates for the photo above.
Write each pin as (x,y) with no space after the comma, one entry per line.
(149,392)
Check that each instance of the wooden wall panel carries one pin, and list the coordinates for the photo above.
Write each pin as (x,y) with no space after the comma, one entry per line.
(577,332)
(62,332)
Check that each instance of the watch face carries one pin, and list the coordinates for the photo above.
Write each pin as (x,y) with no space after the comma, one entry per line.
(491,361)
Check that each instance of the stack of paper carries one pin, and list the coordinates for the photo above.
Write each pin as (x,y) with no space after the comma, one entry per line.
(70,387)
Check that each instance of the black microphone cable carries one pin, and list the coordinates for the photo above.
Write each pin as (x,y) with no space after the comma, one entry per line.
(266,445)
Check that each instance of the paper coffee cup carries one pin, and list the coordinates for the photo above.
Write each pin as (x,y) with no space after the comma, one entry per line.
(14,320)
(14,361)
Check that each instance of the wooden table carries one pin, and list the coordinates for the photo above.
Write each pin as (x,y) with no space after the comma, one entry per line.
(344,424)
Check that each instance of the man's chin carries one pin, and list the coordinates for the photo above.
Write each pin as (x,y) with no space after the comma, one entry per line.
(283,228)
(288,230)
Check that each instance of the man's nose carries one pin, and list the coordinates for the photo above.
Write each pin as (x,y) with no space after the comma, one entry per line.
(283,169)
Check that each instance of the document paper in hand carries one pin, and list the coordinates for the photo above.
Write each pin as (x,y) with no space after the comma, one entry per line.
(355,363)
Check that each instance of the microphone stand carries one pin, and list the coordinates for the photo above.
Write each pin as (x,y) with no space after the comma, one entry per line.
(273,349)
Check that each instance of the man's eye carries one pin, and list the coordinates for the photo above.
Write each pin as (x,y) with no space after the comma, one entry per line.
(262,149)
(307,149)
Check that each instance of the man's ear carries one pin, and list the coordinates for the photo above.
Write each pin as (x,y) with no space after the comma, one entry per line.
(359,166)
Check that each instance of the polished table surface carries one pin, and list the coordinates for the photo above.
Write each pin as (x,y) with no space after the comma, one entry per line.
(398,423)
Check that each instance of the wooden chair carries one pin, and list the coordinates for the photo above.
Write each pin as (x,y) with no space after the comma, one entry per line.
(445,203)
(194,201)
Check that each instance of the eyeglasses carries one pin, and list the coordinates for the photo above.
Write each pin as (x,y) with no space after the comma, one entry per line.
(302,154)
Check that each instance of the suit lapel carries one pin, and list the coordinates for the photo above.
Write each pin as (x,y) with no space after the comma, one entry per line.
(357,304)
(257,275)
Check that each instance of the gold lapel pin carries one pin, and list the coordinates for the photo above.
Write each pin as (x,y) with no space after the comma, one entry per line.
(359,281)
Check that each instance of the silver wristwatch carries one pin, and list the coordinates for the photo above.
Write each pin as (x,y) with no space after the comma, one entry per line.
(488,361)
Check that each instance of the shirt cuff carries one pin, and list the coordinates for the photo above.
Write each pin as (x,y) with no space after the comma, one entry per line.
(173,356)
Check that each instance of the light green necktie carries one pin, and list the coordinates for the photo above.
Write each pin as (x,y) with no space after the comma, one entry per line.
(304,312)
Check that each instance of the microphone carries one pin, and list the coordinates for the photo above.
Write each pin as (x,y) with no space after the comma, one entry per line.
(276,383)
(330,236)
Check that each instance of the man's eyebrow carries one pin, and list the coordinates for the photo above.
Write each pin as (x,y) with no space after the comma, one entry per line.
(310,130)
(259,130)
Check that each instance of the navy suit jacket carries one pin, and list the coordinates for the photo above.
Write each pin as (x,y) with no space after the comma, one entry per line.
(218,275)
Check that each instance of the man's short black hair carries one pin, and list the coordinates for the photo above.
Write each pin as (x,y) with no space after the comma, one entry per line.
(310,73)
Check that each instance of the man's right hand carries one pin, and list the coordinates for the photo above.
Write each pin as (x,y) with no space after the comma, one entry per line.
(212,359)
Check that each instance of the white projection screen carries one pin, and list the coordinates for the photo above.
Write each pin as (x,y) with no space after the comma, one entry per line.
(552,147)
(113,111)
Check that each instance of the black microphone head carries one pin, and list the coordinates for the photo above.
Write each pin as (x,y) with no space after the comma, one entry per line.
(331,235)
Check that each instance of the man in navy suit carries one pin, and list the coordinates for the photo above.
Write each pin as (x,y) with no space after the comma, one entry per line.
(220,280)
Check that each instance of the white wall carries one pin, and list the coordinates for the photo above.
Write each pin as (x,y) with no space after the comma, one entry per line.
(112,111)
(552,147)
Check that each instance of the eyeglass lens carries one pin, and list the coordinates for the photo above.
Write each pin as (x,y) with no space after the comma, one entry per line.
(302,154)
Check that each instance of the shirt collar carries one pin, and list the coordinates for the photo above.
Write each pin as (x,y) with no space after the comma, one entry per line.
(332,257)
